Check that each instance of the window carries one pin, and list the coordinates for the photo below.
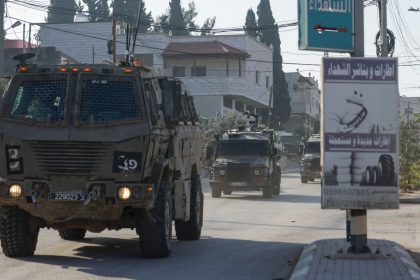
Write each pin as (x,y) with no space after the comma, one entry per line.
(198,71)
(267,81)
(106,100)
(227,102)
(40,100)
(239,106)
(178,71)
(257,77)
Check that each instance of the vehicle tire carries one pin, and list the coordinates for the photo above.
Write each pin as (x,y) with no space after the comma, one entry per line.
(18,237)
(72,233)
(277,190)
(304,179)
(155,232)
(369,176)
(191,230)
(216,192)
(386,165)
(267,191)
(227,192)
(378,175)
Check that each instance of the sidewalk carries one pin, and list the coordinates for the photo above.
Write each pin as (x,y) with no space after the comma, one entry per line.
(327,260)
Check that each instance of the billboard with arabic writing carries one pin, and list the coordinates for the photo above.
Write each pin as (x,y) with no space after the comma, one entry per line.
(360,133)
(326,25)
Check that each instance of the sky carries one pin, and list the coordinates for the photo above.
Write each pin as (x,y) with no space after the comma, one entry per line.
(232,13)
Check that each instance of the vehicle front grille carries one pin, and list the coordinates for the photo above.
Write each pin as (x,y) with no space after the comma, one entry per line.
(238,172)
(69,158)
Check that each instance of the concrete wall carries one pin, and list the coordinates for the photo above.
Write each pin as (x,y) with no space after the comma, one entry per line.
(208,106)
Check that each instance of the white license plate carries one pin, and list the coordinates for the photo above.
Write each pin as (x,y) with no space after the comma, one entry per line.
(238,184)
(61,196)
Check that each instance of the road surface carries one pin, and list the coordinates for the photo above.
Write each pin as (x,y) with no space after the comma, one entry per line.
(244,237)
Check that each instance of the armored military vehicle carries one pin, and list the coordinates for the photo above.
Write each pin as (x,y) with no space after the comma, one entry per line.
(311,159)
(95,147)
(245,160)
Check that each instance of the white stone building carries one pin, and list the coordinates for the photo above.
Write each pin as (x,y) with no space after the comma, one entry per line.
(305,104)
(224,73)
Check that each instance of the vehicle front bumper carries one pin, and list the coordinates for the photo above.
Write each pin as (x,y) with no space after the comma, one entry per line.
(101,203)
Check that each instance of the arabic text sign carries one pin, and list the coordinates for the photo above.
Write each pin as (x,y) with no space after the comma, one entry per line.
(360,69)
(326,25)
(360,133)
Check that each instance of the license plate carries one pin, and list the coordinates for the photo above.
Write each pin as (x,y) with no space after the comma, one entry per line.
(59,196)
(238,184)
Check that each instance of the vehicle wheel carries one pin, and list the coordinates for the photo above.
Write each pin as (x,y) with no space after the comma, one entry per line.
(191,230)
(370,176)
(18,236)
(267,191)
(155,231)
(386,165)
(216,192)
(227,192)
(304,179)
(378,175)
(277,190)
(72,233)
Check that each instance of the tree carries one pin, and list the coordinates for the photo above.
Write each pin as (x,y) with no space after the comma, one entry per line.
(409,156)
(61,11)
(270,36)
(208,26)
(98,10)
(127,11)
(181,24)
(251,24)
(176,19)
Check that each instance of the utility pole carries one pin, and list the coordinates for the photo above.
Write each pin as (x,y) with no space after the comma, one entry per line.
(358,217)
(114,40)
(1,38)
(384,29)
(270,111)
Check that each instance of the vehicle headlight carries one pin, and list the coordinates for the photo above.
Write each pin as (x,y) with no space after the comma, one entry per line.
(124,193)
(222,172)
(15,190)
(257,172)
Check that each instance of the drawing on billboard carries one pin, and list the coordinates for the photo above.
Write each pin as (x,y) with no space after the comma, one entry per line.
(360,134)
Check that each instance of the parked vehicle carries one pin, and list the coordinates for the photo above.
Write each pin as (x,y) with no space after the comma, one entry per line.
(291,144)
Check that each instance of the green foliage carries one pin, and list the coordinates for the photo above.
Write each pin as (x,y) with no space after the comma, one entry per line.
(180,21)
(251,23)
(127,11)
(176,19)
(98,10)
(270,36)
(61,11)
(218,125)
(409,156)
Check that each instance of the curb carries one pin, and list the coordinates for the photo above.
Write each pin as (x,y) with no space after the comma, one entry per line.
(300,272)
(410,200)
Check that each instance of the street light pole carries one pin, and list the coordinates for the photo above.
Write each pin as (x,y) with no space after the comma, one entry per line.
(384,29)
(1,38)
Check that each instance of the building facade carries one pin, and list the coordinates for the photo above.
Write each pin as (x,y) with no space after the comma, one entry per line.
(227,73)
(305,105)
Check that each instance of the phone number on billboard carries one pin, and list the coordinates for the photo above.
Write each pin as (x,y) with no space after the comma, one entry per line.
(343,204)
(340,191)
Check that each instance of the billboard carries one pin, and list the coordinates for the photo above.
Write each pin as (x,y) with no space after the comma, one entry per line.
(326,25)
(360,133)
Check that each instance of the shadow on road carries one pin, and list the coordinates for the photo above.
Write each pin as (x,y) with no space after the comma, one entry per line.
(208,258)
(292,198)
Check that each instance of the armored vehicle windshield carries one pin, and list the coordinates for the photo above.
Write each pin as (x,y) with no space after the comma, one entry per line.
(244,148)
(313,148)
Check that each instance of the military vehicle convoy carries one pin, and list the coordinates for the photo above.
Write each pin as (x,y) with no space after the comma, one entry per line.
(311,159)
(245,160)
(95,147)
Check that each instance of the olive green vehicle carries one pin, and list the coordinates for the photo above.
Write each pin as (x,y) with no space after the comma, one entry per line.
(95,147)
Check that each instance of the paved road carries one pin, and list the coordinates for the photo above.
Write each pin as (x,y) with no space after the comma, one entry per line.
(244,237)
